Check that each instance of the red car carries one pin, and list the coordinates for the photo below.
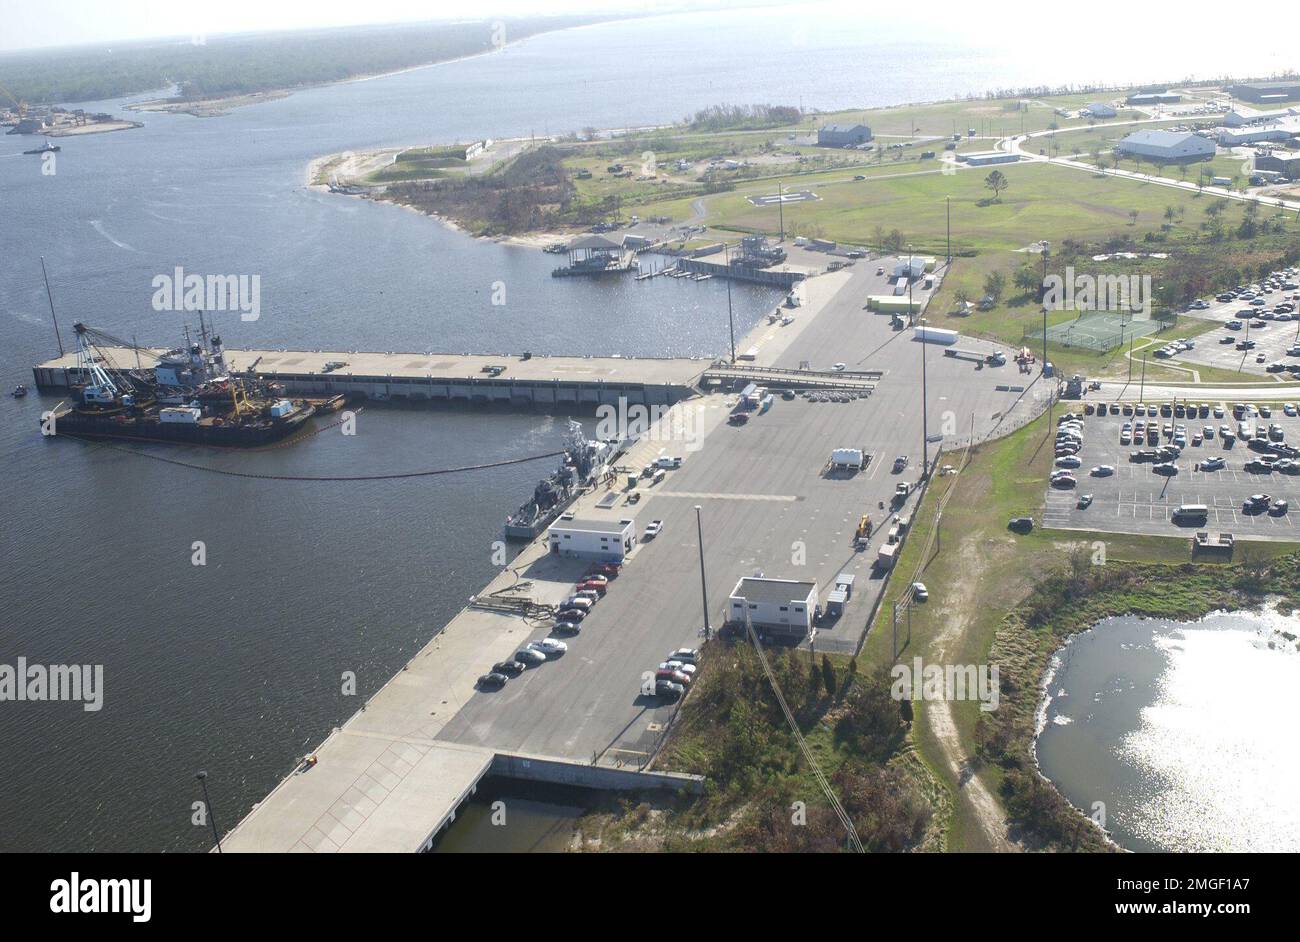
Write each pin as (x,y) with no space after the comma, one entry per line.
(676,677)
(609,570)
(599,588)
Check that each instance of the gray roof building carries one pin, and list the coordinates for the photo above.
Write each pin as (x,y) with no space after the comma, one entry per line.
(1167,145)
(843,135)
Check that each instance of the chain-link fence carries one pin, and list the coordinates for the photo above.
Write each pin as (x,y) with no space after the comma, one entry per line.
(1098,331)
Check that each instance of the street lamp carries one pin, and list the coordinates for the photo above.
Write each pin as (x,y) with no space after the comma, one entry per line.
(704,591)
(1046,251)
(731,321)
(207,806)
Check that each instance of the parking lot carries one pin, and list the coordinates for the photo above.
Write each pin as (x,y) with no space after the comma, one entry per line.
(1136,499)
(1272,335)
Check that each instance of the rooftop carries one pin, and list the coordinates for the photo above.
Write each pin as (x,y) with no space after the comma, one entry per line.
(592,526)
(772,591)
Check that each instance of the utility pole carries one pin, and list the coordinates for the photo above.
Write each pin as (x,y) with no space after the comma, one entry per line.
(731,321)
(704,591)
(50,295)
(1042,296)
(925,416)
(207,806)
(948,201)
(780,206)
(1142,390)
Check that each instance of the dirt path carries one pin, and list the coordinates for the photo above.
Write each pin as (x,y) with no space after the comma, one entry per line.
(959,599)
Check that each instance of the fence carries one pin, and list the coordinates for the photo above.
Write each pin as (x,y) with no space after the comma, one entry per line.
(1098,331)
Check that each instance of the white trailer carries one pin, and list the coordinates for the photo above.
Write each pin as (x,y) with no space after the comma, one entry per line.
(936,335)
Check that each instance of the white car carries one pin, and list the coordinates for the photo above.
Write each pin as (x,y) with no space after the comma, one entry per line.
(839,367)
(549,647)
(1068,461)
(653,529)
(685,667)
(1102,471)
(920,592)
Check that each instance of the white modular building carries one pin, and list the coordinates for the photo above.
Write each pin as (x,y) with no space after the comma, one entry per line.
(602,540)
(781,608)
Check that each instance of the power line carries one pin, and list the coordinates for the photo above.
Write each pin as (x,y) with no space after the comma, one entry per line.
(829,792)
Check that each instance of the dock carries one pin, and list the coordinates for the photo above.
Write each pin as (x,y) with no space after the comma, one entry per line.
(520,380)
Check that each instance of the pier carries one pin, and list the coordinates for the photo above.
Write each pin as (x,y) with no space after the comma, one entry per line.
(519,380)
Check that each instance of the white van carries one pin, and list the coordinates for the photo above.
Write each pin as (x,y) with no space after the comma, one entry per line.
(1191,513)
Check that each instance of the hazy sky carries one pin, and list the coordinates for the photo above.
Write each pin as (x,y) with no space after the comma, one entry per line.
(1076,29)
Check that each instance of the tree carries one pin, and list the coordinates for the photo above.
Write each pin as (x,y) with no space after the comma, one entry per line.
(995,284)
(1132,217)
(1027,279)
(997,182)
(828,676)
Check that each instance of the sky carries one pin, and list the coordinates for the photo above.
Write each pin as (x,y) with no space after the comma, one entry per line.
(26,24)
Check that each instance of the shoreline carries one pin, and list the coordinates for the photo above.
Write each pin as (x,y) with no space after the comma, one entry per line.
(223,105)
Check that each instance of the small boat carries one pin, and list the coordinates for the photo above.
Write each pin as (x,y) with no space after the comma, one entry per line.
(19,391)
(47,149)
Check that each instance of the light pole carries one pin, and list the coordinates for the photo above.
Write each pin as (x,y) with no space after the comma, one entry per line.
(925,415)
(780,205)
(731,321)
(1042,296)
(948,208)
(207,806)
(704,591)
(911,314)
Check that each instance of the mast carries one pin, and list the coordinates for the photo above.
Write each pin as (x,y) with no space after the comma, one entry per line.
(50,295)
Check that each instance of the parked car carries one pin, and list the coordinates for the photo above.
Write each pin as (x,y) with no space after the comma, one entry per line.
(669,691)
(566,626)
(920,592)
(551,647)
(1279,508)
(682,666)
(653,529)
(492,681)
(685,654)
(673,677)
(1085,501)
(1068,461)
(1212,464)
(530,657)
(1021,524)
(1102,471)
(509,668)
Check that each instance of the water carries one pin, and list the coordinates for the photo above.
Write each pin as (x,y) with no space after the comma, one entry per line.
(517,817)
(1185,731)
(236,667)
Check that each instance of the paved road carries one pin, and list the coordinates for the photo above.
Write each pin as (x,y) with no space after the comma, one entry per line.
(766,507)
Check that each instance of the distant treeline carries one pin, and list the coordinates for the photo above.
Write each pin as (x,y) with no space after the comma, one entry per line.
(741,117)
(232,65)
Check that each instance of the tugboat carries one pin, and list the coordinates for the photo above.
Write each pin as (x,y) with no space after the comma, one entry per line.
(47,149)
(584,461)
(19,391)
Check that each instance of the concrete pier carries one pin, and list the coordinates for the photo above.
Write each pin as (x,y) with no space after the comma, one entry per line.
(537,381)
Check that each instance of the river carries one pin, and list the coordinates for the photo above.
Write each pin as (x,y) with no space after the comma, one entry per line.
(237,666)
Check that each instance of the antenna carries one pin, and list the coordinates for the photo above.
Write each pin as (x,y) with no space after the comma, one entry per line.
(49,294)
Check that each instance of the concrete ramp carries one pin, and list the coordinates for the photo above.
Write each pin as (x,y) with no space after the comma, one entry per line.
(367,793)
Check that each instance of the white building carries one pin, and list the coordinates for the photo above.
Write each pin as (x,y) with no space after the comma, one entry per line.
(1180,146)
(603,540)
(782,608)
(913,266)
(1282,129)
